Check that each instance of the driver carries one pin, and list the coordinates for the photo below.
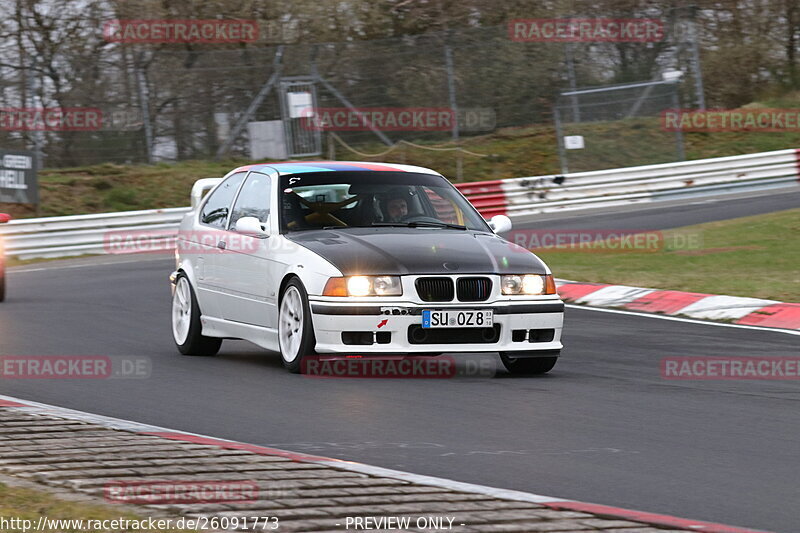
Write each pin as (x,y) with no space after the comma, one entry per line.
(396,209)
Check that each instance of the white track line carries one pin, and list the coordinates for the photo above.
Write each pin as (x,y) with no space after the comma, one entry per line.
(506,494)
(586,307)
(55,266)
(136,427)
(680,319)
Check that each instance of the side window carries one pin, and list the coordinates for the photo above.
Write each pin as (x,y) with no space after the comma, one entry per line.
(253,201)
(215,210)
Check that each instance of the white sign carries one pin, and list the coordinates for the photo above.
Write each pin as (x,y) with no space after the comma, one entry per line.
(21,162)
(573,142)
(18,177)
(300,104)
(12,179)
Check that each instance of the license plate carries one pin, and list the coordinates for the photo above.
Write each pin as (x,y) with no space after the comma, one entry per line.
(478,318)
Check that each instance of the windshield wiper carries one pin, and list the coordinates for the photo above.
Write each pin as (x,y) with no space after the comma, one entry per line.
(419,224)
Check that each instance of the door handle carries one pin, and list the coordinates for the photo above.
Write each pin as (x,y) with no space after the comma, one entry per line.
(221,245)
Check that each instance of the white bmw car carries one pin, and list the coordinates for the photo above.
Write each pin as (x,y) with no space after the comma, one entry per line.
(310,258)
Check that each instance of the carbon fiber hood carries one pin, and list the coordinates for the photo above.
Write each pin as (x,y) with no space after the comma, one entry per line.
(399,251)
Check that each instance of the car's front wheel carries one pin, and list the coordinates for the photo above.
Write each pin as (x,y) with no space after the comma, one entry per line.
(295,330)
(187,329)
(528,365)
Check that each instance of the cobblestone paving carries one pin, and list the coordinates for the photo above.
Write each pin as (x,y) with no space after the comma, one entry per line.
(303,496)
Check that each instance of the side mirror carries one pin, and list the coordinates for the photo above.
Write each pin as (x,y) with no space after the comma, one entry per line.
(4,218)
(251,226)
(500,224)
(201,187)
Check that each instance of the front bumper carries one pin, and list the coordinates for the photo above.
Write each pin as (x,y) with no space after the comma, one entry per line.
(389,328)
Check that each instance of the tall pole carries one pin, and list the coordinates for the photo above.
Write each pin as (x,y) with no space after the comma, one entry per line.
(678,132)
(36,135)
(573,84)
(451,89)
(695,60)
(144,102)
(562,155)
(331,147)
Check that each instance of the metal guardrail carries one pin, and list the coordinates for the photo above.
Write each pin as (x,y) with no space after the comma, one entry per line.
(607,188)
(93,234)
(89,234)
(84,234)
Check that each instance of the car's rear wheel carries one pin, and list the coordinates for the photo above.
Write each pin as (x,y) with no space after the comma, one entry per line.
(186,326)
(295,330)
(528,365)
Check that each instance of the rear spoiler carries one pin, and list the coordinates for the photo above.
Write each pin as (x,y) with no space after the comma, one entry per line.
(200,187)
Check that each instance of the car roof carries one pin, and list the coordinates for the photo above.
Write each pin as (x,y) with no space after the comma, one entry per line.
(299,167)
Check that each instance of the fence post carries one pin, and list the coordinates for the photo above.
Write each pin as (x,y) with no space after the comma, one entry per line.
(331,147)
(695,61)
(678,132)
(576,112)
(451,90)
(562,155)
(36,135)
(144,104)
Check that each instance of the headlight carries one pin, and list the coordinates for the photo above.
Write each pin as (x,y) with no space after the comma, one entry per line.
(511,284)
(364,286)
(528,284)
(387,286)
(359,286)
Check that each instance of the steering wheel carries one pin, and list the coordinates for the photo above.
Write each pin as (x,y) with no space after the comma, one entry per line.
(419,218)
(322,210)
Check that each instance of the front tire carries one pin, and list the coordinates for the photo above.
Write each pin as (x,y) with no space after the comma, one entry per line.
(187,330)
(528,365)
(295,330)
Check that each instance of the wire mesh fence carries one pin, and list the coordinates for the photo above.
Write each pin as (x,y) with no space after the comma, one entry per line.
(176,102)
(617,126)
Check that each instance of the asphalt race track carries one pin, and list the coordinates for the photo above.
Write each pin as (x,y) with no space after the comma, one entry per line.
(663,215)
(603,427)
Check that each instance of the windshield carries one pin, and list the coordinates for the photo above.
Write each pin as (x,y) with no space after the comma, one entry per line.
(318,200)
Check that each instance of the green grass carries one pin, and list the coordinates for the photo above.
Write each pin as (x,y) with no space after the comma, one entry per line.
(12,261)
(756,256)
(511,152)
(29,504)
(111,187)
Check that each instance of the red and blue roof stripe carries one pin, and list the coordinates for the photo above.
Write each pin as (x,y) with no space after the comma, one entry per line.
(299,167)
